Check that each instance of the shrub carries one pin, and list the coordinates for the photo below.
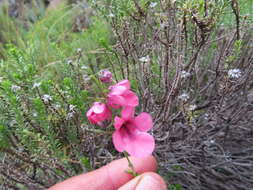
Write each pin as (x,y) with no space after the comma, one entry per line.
(189,61)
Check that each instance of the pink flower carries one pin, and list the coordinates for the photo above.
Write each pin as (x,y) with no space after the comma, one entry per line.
(98,113)
(105,76)
(121,95)
(131,134)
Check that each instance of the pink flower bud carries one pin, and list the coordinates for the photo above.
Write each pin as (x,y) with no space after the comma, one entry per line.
(98,113)
(105,76)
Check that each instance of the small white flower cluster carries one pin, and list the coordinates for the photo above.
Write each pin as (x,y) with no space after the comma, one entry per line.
(111,15)
(185,74)
(184,96)
(164,25)
(46,98)
(36,85)
(234,73)
(79,50)
(209,142)
(69,62)
(12,123)
(70,115)
(1,79)
(57,106)
(144,59)
(192,107)
(206,116)
(84,67)
(153,4)
(72,112)
(72,108)
(86,78)
(15,88)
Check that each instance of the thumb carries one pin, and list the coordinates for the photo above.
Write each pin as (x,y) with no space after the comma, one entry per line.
(146,181)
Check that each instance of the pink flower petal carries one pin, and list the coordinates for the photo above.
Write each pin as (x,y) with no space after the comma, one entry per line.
(118,142)
(118,100)
(143,122)
(98,107)
(92,119)
(117,90)
(98,113)
(108,113)
(124,83)
(127,112)
(142,145)
(89,112)
(118,122)
(131,99)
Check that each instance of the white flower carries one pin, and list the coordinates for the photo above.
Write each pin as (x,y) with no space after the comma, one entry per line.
(56,106)
(36,85)
(185,74)
(192,107)
(79,50)
(234,73)
(209,142)
(69,62)
(206,116)
(111,15)
(72,108)
(86,78)
(153,4)
(184,97)
(35,114)
(227,156)
(163,25)
(12,123)
(1,79)
(46,98)
(84,67)
(70,115)
(15,88)
(144,59)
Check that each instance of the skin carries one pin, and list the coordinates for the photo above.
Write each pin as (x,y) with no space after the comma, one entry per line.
(113,176)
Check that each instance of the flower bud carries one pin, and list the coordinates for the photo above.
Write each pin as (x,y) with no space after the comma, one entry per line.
(105,76)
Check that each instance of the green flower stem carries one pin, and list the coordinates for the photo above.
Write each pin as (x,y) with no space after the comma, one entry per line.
(99,85)
(130,165)
(99,131)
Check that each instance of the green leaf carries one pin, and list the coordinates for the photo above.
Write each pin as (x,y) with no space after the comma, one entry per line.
(86,162)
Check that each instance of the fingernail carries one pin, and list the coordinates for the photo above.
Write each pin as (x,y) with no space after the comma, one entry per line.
(149,183)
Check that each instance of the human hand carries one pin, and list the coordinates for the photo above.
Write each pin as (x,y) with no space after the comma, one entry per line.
(114,176)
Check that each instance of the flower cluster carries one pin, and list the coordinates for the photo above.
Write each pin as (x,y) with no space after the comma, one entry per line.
(130,132)
(185,74)
(234,73)
(105,76)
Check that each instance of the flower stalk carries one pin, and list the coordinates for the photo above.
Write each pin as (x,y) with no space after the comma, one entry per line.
(130,165)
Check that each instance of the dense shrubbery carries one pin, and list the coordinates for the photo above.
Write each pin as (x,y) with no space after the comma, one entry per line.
(190,62)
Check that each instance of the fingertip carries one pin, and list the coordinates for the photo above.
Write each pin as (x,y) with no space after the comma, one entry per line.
(117,169)
(158,179)
(146,181)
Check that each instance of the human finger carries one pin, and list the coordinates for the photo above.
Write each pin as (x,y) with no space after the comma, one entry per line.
(109,177)
(146,181)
